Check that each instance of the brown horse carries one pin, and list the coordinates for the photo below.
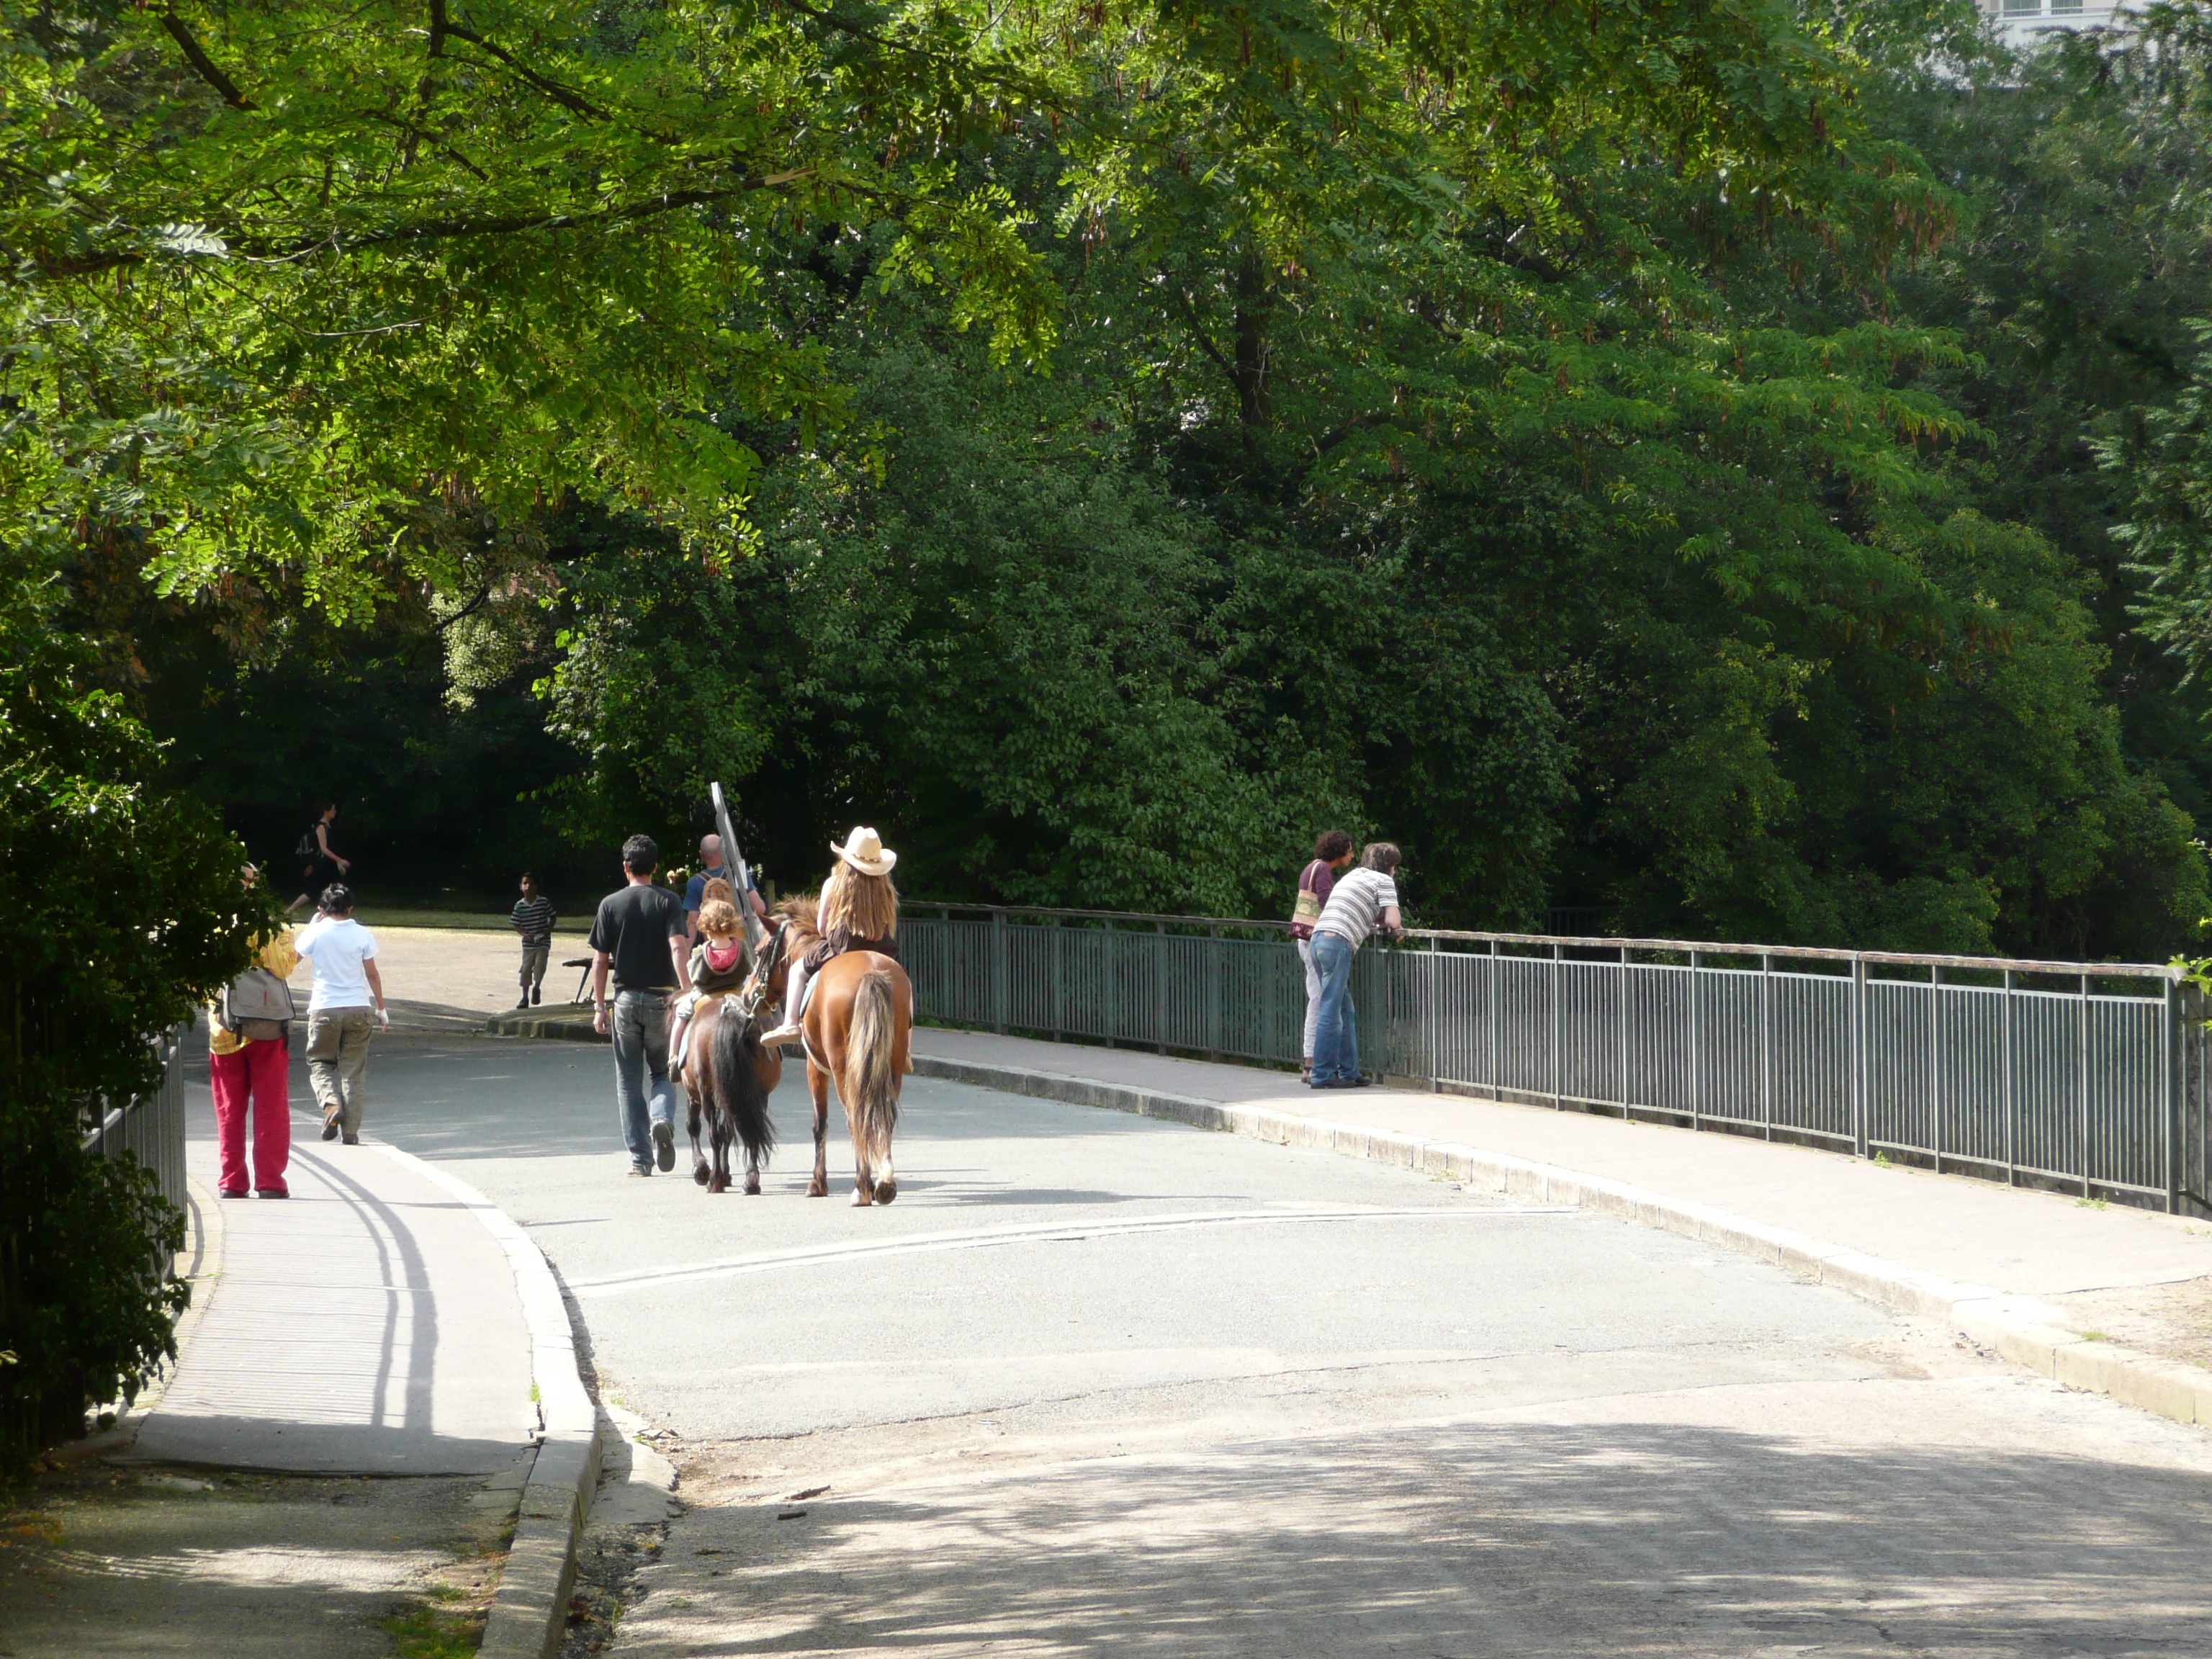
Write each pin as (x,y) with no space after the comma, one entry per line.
(856,1034)
(729,1076)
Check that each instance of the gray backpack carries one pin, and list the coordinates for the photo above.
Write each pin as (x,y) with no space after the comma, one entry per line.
(256,1004)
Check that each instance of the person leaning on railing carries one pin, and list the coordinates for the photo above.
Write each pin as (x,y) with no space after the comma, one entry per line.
(1362,903)
(1332,851)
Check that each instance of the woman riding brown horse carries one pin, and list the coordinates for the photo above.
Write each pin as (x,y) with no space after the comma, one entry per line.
(855,1027)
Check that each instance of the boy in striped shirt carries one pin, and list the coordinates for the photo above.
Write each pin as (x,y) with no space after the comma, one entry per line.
(533,918)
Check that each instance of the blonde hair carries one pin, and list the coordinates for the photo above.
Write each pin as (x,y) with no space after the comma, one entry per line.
(864,906)
(717,915)
(716,888)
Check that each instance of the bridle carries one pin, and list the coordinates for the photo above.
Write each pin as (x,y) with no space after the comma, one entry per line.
(765,967)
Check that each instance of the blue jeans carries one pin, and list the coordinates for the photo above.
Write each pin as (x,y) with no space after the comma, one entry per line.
(641,1029)
(1336,1035)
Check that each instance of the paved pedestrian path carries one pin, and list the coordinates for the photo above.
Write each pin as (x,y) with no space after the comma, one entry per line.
(369,1324)
(2138,1276)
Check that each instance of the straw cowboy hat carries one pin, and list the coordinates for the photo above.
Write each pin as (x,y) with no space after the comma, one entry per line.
(864,851)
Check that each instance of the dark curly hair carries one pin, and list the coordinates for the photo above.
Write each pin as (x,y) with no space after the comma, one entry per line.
(1332,845)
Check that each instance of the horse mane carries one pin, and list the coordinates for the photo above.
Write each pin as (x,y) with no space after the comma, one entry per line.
(802,925)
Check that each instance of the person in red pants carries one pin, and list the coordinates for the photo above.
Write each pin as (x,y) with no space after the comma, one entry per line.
(250,1070)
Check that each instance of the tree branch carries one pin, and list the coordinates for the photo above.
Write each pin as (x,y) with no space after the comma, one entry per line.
(441,26)
(1198,331)
(205,65)
(436,230)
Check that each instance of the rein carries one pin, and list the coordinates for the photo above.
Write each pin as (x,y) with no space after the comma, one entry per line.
(765,967)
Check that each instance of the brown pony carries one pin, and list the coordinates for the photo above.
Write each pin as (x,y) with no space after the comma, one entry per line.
(855,1032)
(729,1076)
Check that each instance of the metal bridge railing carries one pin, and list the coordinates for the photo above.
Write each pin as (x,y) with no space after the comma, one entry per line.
(2090,1076)
(151,1127)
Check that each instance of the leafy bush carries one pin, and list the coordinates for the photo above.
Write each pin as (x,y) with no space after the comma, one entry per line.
(120,909)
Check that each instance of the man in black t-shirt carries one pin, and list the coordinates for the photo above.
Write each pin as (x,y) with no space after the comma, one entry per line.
(640,934)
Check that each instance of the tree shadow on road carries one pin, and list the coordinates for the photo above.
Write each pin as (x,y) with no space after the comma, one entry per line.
(1473,1539)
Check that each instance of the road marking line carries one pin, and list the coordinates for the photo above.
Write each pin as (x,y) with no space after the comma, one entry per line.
(984,1238)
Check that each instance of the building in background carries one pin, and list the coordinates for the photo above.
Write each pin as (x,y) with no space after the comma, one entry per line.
(2020,21)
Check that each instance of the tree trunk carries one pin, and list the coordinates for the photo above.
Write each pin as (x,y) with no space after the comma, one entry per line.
(1255,304)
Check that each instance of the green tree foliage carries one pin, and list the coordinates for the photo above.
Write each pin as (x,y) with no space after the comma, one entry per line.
(294,283)
(2084,252)
(120,907)
(1099,443)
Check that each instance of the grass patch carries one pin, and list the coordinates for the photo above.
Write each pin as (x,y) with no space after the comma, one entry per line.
(2091,1204)
(436,1632)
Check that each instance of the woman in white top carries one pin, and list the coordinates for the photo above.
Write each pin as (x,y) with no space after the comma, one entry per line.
(1362,903)
(346,1009)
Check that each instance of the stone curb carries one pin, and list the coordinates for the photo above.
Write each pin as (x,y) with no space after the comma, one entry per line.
(2024,1330)
(530,1607)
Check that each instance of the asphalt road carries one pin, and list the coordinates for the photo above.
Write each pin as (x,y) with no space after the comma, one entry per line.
(1100,1383)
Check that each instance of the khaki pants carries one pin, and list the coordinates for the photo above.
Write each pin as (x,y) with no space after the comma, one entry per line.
(338,1063)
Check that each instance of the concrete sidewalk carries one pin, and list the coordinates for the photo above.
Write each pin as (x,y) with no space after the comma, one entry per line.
(2111,1279)
(367,1325)
(384,1320)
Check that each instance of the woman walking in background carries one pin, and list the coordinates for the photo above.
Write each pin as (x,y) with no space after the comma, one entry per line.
(346,1009)
(1332,851)
(321,865)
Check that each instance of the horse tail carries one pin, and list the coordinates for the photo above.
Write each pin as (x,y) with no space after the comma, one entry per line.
(737,1046)
(872,1078)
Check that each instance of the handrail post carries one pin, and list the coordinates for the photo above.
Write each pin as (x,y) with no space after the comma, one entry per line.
(1160,987)
(1213,981)
(1435,997)
(1107,951)
(1766,1042)
(2166,1027)
(1001,943)
(1625,1034)
(2081,1061)
(1558,1021)
(1490,1014)
(1936,1062)
(1858,1058)
(2011,1084)
(1696,1043)
(1059,979)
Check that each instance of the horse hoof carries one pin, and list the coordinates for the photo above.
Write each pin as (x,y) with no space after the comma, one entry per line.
(817,1189)
(886,1191)
(719,1184)
(752,1186)
(859,1198)
(700,1172)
